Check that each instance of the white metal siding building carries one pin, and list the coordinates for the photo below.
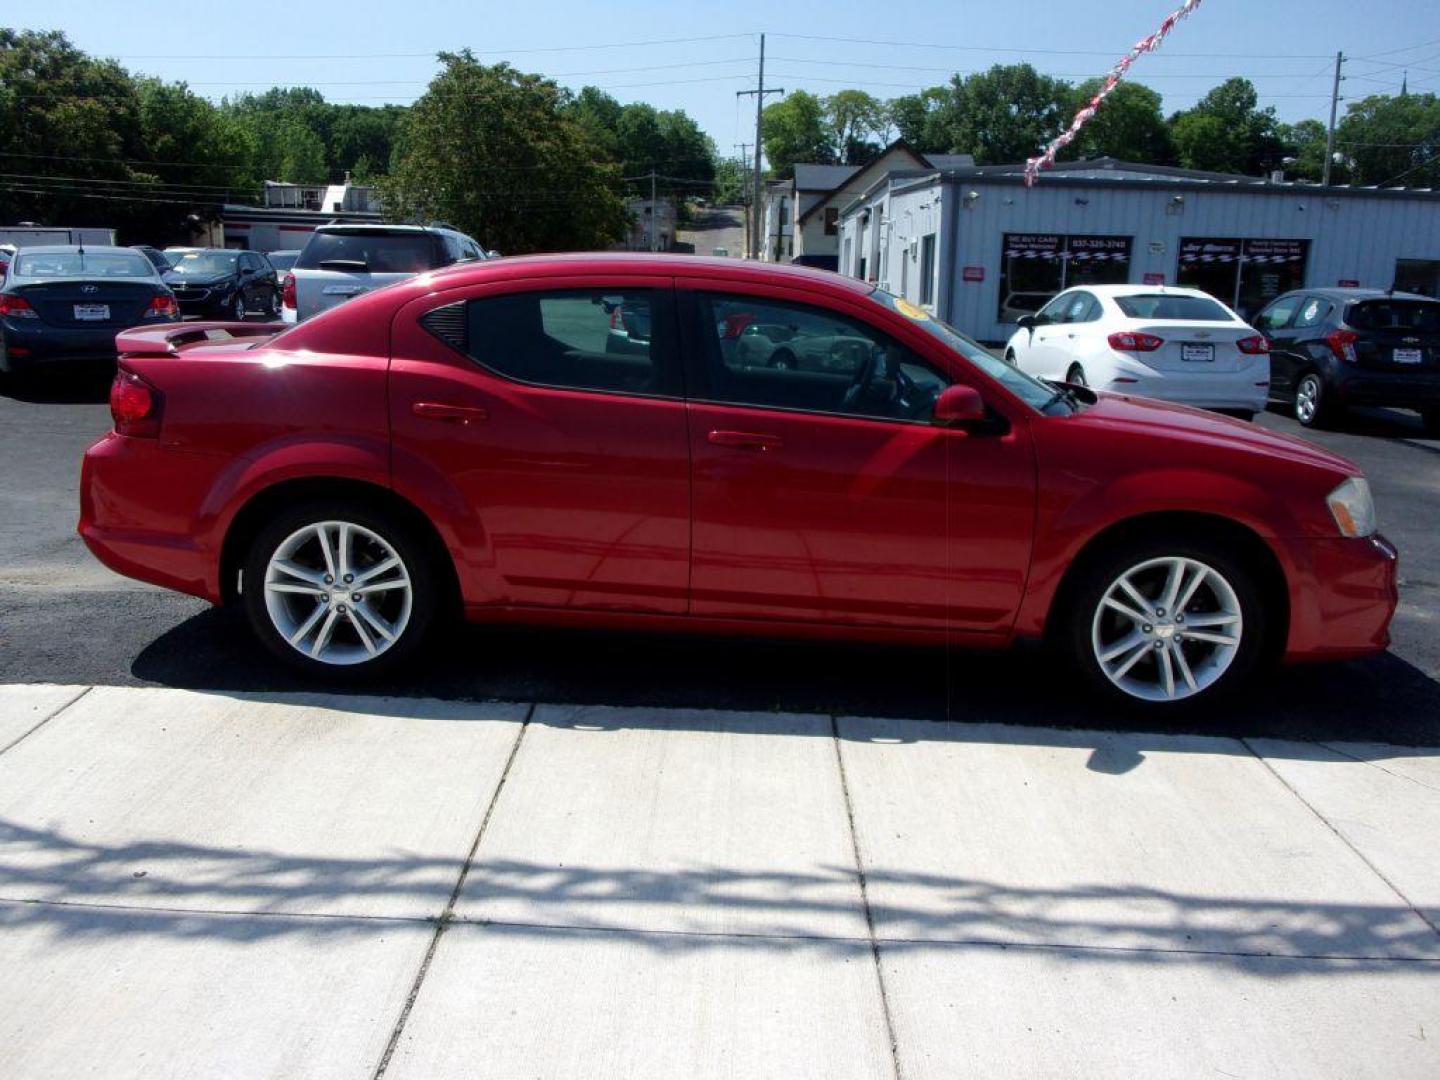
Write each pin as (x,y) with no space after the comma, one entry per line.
(978,248)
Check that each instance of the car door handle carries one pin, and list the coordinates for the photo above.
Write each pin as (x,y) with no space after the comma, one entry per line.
(454,414)
(746,440)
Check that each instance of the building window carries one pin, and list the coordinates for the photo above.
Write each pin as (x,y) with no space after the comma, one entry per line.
(1418,276)
(1246,274)
(1036,266)
(927,269)
(832,220)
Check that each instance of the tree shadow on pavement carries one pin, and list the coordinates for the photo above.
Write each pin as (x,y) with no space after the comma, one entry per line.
(1382,699)
(80,890)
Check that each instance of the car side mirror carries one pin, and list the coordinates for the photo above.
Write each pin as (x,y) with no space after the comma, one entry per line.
(1026,322)
(959,405)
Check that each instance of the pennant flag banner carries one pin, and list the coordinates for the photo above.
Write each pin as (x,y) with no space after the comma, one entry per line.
(1112,80)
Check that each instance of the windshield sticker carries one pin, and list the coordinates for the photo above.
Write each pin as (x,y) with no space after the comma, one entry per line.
(907,308)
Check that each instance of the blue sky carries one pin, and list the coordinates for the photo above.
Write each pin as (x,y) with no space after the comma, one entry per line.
(377,52)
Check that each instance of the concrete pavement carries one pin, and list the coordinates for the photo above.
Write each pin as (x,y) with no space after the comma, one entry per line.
(281,885)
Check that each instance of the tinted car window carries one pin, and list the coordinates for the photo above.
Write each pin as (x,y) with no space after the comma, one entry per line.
(205,264)
(1312,312)
(1277,314)
(282,260)
(1178,308)
(375,251)
(1054,311)
(576,339)
(73,264)
(1414,316)
(776,354)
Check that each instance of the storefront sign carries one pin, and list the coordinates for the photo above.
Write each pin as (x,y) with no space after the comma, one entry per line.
(973,273)
(1194,250)
(1116,248)
(1276,251)
(1032,245)
(1153,278)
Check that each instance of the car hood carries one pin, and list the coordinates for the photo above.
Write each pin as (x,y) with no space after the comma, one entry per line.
(1151,418)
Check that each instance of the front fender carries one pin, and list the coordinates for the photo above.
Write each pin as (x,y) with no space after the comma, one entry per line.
(1067,525)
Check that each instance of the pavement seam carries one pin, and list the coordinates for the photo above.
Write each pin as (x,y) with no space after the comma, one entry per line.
(1342,838)
(447,915)
(45,720)
(1376,765)
(865,901)
(166,909)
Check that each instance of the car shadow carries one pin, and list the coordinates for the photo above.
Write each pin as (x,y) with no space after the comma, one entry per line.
(81,384)
(1375,422)
(1380,699)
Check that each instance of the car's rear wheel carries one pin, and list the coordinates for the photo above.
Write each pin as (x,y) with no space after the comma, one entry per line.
(339,590)
(1312,405)
(1162,622)
(1076,376)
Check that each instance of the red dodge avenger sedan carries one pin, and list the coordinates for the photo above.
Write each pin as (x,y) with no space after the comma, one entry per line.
(713,446)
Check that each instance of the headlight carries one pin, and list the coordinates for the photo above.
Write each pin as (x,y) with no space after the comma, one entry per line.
(1352,507)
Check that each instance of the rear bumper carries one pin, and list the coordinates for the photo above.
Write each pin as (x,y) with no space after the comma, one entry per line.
(1244,390)
(1343,595)
(29,342)
(143,527)
(1403,390)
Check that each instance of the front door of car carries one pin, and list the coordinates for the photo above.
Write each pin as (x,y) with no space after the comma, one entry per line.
(1047,355)
(823,493)
(1275,322)
(554,440)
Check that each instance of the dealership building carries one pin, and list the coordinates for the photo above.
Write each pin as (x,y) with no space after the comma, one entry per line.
(978,248)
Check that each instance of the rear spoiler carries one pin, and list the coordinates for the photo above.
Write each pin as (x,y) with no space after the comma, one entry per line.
(170,339)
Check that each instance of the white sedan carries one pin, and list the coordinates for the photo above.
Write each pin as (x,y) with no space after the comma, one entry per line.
(1175,344)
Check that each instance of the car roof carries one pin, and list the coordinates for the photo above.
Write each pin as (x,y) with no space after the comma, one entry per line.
(1142,290)
(382,227)
(1358,294)
(75,249)
(628,262)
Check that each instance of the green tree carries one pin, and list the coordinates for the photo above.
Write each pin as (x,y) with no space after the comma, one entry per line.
(1003,115)
(1393,140)
(1226,131)
(493,151)
(1128,125)
(1305,142)
(794,130)
(599,114)
(914,118)
(732,181)
(855,118)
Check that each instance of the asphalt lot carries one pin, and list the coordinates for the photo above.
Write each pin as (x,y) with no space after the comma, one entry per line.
(64,618)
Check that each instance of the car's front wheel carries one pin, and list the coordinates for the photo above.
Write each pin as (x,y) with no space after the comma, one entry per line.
(338,590)
(237,307)
(1163,622)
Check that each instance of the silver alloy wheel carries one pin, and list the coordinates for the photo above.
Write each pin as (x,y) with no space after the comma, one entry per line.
(338,592)
(240,307)
(1167,629)
(1307,399)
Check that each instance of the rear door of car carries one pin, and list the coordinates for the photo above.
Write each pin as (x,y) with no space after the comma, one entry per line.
(815,502)
(566,463)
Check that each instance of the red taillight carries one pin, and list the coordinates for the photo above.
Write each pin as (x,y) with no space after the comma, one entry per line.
(1343,342)
(17,307)
(287,292)
(1253,346)
(135,405)
(163,307)
(1126,341)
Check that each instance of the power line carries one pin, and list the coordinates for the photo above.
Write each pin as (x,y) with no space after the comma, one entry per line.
(1051,52)
(432,54)
(424,82)
(1052,74)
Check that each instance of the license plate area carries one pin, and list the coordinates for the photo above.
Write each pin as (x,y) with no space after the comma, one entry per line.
(92,312)
(1409,356)
(1197,354)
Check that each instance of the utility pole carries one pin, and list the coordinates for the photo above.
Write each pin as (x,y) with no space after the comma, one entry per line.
(654,216)
(744,148)
(756,241)
(1330,133)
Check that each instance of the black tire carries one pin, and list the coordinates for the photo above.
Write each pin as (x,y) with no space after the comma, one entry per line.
(1093,579)
(1312,407)
(274,308)
(426,601)
(1076,376)
(237,307)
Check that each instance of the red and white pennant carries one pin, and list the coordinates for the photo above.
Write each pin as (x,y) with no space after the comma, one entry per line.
(1112,80)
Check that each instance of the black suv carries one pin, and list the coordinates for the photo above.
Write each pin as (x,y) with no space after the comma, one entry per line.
(218,283)
(1331,348)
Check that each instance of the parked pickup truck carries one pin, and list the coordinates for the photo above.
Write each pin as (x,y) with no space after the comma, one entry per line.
(342,261)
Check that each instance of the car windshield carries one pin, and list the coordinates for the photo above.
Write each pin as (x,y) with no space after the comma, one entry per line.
(283,260)
(375,251)
(1408,316)
(1175,308)
(91,264)
(1033,392)
(205,263)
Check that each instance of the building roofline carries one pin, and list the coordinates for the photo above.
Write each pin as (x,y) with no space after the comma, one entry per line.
(898,144)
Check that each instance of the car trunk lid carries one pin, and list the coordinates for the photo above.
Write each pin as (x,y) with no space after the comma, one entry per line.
(1192,346)
(1394,334)
(95,304)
